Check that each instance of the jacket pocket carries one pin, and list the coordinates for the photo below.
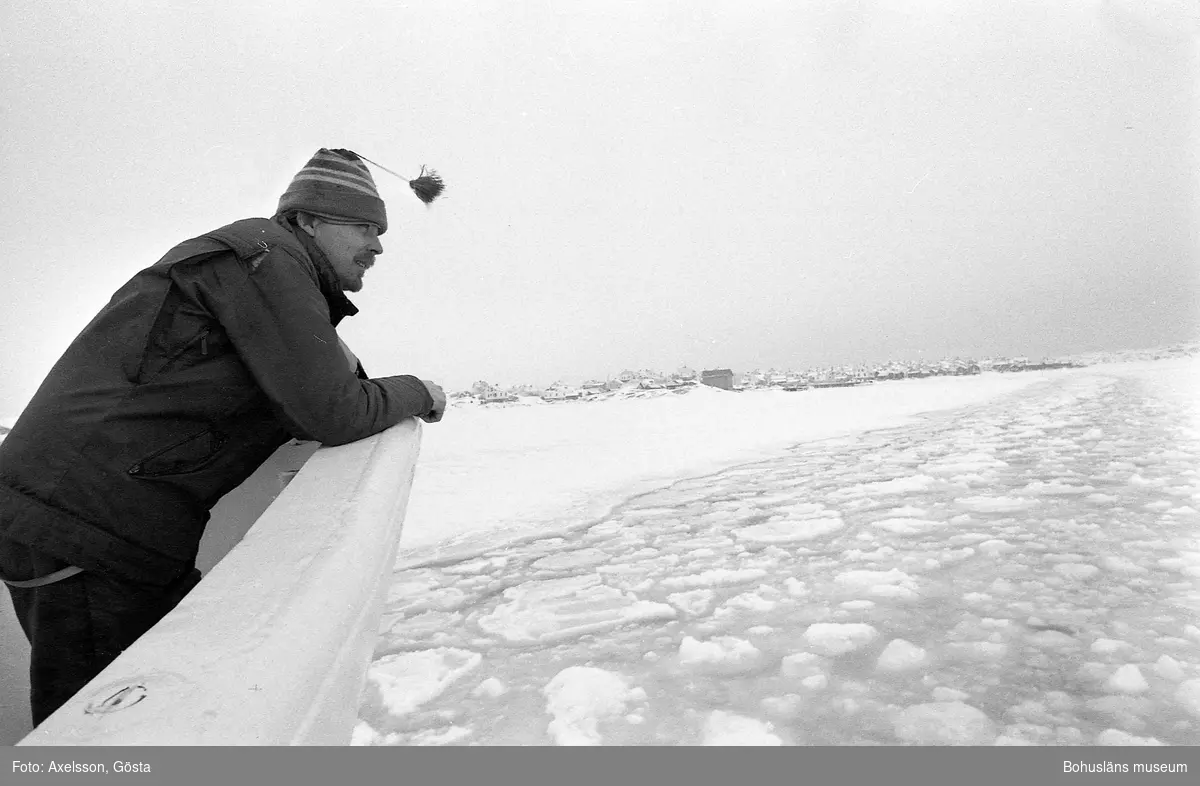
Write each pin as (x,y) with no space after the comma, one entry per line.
(197,344)
(165,352)
(190,454)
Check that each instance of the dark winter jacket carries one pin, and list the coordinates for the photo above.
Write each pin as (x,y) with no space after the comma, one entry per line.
(193,374)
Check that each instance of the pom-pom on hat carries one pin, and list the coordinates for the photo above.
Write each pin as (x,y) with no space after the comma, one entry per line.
(335,184)
(427,186)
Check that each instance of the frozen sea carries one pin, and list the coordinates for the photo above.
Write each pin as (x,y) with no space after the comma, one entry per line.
(1006,559)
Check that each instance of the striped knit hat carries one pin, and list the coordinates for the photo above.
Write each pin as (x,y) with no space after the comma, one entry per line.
(335,185)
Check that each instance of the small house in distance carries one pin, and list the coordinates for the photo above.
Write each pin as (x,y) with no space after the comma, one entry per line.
(495,396)
(718,378)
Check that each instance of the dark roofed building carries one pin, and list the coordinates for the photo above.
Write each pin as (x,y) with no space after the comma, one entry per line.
(717,378)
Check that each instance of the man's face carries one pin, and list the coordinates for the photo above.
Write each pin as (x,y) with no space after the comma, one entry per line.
(351,249)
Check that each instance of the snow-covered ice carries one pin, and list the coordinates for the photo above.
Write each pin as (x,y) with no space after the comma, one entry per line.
(838,638)
(901,655)
(944,723)
(580,697)
(726,728)
(406,680)
(1019,566)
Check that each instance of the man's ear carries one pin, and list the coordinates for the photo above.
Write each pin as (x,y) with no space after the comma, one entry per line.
(307,223)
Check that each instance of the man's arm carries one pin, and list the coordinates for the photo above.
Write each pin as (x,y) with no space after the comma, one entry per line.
(435,390)
(278,322)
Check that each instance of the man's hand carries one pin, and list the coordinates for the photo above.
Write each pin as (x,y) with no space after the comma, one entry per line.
(439,401)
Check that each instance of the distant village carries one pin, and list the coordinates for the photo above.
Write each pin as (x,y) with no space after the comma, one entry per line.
(653,383)
(727,379)
(648,382)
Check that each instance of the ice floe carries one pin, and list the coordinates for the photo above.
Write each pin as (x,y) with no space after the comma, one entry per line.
(833,638)
(727,728)
(406,680)
(945,723)
(579,698)
(541,611)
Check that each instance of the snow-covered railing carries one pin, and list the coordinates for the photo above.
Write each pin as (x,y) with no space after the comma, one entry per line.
(272,647)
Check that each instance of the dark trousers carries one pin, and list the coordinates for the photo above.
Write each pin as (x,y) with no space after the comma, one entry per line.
(79,625)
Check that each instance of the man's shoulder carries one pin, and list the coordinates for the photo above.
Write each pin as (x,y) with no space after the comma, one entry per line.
(252,236)
(248,239)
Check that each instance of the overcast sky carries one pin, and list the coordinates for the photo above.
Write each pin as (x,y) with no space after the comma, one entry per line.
(629,184)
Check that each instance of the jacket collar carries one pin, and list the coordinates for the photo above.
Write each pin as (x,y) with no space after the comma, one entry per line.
(340,306)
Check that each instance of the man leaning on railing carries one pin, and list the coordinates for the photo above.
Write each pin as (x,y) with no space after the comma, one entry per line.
(189,379)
